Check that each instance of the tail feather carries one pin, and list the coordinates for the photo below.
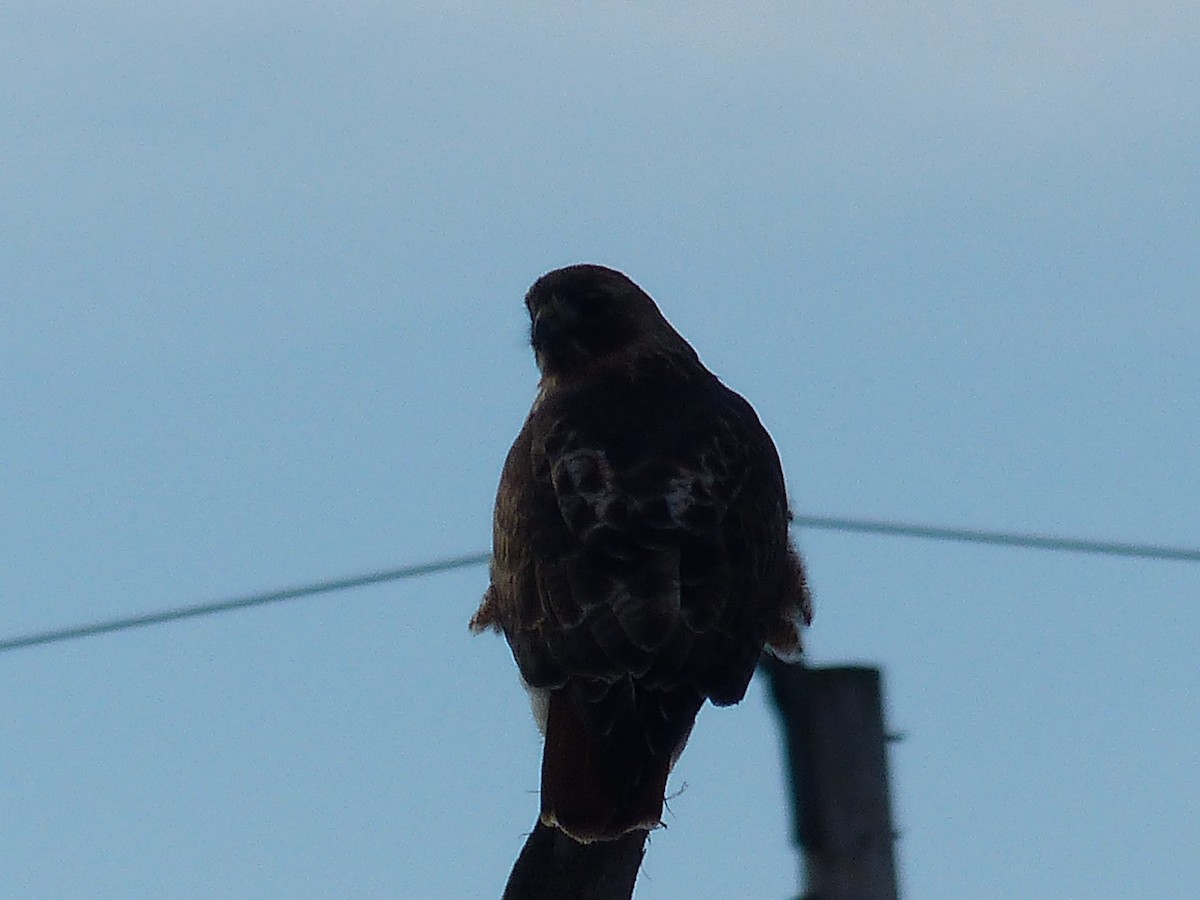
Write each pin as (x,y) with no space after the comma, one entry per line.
(598,785)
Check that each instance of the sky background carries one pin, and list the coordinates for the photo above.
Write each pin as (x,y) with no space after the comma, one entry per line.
(261,273)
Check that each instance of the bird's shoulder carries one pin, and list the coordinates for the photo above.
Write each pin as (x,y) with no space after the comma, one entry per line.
(659,413)
(660,453)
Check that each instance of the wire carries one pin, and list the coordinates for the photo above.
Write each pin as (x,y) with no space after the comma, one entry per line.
(1002,538)
(220,606)
(822,523)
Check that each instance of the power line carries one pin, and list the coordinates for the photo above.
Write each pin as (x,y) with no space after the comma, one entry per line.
(821,523)
(220,606)
(1001,538)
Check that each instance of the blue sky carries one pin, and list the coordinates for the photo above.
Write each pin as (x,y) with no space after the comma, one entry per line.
(260,322)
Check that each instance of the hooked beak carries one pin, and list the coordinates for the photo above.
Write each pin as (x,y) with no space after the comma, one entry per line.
(551,321)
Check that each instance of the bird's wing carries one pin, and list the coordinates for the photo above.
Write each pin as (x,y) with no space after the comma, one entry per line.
(646,568)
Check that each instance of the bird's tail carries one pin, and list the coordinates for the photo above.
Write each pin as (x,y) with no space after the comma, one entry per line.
(600,786)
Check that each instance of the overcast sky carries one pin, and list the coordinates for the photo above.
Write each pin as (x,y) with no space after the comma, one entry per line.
(261,271)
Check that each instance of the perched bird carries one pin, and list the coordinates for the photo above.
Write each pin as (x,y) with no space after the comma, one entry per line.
(641,558)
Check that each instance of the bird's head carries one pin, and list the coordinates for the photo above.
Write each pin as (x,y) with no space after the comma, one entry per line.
(587,316)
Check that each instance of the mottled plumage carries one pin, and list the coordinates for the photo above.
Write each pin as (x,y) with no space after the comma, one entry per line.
(641,557)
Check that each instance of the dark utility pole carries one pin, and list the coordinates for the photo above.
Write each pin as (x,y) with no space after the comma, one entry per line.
(837,760)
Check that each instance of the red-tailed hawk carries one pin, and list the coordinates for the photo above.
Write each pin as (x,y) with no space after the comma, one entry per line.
(641,557)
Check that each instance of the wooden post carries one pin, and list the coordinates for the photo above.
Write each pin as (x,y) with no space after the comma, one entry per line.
(837,759)
(552,866)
